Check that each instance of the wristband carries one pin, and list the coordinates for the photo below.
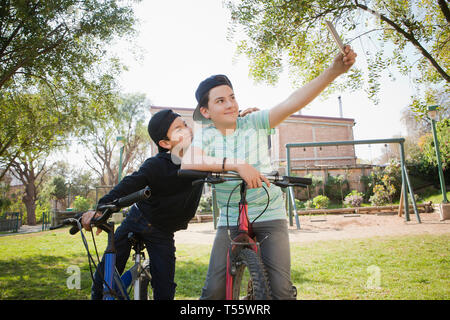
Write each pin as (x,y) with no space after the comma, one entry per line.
(223,163)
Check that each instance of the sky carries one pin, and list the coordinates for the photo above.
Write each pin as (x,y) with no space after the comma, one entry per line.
(181,42)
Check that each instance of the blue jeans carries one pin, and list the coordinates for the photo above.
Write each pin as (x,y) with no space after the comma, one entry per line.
(161,251)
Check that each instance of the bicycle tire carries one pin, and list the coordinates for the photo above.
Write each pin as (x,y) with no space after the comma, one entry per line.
(259,281)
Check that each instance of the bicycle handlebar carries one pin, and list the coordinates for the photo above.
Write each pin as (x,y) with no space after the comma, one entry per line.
(107,210)
(219,177)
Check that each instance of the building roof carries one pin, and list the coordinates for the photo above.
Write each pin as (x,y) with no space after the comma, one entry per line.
(292,117)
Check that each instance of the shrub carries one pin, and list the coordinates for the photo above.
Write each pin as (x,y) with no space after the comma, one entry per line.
(321,202)
(309,204)
(299,204)
(336,187)
(354,199)
(81,204)
(380,196)
(205,205)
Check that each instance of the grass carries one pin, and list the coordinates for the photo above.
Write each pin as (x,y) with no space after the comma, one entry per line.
(34,266)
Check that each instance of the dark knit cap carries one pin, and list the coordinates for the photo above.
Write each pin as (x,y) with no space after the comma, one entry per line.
(159,124)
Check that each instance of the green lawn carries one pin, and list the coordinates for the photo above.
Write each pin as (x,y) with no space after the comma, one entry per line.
(34,266)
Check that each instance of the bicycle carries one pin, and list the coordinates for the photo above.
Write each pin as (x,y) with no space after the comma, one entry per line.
(244,252)
(136,278)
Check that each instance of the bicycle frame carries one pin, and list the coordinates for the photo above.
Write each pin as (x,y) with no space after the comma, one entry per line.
(245,238)
(112,279)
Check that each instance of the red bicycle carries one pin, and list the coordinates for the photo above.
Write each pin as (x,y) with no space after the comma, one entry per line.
(246,276)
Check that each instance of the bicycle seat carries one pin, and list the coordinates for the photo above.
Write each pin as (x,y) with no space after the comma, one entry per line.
(134,239)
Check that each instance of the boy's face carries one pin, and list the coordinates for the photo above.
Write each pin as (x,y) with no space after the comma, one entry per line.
(179,133)
(222,108)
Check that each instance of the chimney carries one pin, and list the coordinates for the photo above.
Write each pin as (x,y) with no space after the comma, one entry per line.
(340,107)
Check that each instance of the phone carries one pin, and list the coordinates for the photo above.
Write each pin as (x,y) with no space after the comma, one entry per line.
(335,35)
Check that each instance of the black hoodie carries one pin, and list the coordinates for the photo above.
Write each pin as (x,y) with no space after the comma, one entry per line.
(173,201)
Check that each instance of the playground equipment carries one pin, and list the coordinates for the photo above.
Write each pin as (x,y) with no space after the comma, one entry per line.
(406,185)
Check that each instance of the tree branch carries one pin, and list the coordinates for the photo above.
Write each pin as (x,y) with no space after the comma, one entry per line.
(410,37)
(444,9)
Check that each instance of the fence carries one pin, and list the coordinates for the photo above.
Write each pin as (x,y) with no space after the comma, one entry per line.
(11,221)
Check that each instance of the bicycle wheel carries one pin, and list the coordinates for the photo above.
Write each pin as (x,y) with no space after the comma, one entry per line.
(250,281)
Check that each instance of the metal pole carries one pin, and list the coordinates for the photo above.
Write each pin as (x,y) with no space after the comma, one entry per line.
(404,184)
(288,194)
(411,192)
(439,163)
(215,206)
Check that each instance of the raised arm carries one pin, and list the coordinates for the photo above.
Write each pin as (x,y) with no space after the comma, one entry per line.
(304,95)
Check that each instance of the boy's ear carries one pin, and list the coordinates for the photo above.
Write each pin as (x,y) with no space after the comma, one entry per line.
(205,112)
(165,144)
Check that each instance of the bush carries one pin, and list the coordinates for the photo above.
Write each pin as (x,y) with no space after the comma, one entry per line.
(380,196)
(309,204)
(299,204)
(336,187)
(354,199)
(81,204)
(205,205)
(321,202)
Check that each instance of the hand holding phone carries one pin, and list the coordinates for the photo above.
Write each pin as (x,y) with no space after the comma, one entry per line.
(335,35)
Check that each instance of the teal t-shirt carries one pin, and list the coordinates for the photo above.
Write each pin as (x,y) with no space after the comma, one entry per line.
(248,142)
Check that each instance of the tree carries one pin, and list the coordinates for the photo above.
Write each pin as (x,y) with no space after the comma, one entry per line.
(100,138)
(57,50)
(30,169)
(411,35)
(426,144)
(58,39)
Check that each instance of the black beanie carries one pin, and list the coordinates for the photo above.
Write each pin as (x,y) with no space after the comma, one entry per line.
(159,124)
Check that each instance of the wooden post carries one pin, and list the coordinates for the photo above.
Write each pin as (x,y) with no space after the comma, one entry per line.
(400,206)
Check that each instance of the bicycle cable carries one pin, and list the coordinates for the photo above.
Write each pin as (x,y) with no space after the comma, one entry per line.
(91,259)
(237,222)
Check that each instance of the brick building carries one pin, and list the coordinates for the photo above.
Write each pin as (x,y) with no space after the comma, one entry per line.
(319,161)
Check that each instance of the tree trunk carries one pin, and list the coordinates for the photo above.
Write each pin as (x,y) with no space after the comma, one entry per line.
(29,199)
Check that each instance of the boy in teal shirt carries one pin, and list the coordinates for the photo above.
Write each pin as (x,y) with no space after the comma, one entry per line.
(230,143)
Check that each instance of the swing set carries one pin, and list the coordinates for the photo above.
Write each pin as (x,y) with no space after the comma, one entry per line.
(406,185)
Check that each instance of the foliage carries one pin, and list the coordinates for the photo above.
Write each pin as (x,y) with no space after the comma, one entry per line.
(428,148)
(59,187)
(100,138)
(336,187)
(386,182)
(55,74)
(380,196)
(299,204)
(81,204)
(309,204)
(354,199)
(58,40)
(409,35)
(321,202)
(205,205)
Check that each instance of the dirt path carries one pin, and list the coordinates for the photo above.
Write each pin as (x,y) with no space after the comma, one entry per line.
(335,227)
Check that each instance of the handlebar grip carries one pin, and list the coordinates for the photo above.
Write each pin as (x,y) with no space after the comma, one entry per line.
(195,174)
(74,230)
(134,197)
(301,180)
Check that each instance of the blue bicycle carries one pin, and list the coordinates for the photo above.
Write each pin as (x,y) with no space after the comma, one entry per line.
(138,277)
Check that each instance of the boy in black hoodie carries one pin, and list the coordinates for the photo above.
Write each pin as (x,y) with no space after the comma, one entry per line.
(172,204)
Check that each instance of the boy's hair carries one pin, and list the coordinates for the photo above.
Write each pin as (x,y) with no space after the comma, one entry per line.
(159,124)
(202,93)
